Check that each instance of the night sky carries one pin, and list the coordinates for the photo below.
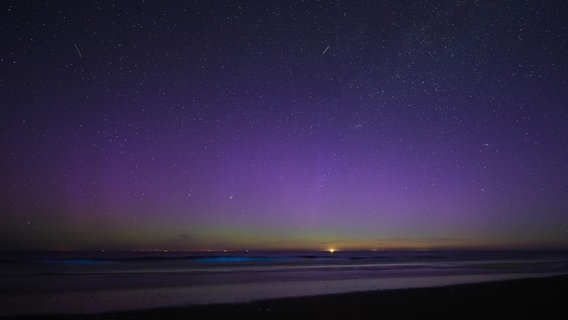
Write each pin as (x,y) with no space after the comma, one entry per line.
(208,125)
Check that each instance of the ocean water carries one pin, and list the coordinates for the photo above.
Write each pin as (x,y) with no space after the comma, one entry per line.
(87,282)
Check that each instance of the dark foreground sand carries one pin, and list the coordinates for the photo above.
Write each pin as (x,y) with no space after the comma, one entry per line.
(543,298)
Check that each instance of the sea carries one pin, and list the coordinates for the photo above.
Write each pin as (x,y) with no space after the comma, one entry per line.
(54,282)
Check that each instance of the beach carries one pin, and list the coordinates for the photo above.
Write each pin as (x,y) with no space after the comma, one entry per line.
(280,284)
(535,298)
(283,159)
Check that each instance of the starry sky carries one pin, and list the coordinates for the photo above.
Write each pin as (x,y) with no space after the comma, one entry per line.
(207,125)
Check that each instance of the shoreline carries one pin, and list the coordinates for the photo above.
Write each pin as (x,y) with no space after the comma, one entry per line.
(510,290)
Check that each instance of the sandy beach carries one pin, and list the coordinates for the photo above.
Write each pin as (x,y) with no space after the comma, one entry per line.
(124,299)
(533,298)
(86,283)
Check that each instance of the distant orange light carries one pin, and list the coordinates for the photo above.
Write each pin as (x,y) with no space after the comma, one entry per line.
(331,250)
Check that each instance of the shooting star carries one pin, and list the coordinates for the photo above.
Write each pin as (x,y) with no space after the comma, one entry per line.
(326,48)
(79,52)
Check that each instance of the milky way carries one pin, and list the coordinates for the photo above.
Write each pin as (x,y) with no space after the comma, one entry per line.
(274,125)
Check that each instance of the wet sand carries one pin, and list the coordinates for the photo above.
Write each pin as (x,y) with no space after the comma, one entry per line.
(534,298)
